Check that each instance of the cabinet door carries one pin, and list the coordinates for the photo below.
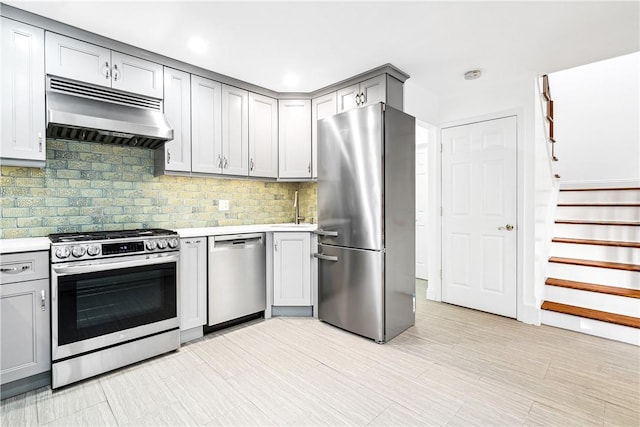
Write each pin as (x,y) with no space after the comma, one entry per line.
(177,109)
(294,157)
(235,131)
(373,90)
(71,58)
(292,269)
(347,98)
(263,136)
(23,114)
(324,106)
(206,120)
(25,347)
(136,75)
(193,282)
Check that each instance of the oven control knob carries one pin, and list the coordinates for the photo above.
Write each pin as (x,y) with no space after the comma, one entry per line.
(151,245)
(162,244)
(78,251)
(63,252)
(93,250)
(173,243)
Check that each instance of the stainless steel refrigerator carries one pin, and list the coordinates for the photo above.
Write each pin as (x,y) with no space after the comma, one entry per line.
(366,221)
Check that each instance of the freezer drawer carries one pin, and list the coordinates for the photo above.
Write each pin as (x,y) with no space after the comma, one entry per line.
(351,289)
(237,276)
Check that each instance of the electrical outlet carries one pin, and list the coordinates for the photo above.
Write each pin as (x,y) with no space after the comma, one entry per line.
(223,205)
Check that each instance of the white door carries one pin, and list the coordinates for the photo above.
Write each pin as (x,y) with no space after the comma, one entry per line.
(347,98)
(206,118)
(177,110)
(263,136)
(235,131)
(22,101)
(77,60)
(291,269)
(373,90)
(136,75)
(422,189)
(479,213)
(294,157)
(324,106)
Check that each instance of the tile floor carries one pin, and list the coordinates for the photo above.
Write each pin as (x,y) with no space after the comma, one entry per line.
(455,367)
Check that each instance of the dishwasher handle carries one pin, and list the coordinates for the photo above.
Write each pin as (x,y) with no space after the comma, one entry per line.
(237,240)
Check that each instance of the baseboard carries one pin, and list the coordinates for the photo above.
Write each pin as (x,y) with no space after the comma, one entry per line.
(24,385)
(610,183)
(190,334)
(286,311)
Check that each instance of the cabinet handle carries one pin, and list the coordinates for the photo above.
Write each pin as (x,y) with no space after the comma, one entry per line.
(219,161)
(13,270)
(106,71)
(116,73)
(226,163)
(358,99)
(197,241)
(309,167)
(168,156)
(43,304)
(40,141)
(251,164)
(275,247)
(363,99)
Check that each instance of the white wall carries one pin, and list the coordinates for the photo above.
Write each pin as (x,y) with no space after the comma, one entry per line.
(420,103)
(597,121)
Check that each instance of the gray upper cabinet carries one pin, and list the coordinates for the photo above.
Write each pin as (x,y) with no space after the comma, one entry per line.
(235,131)
(206,125)
(321,107)
(23,116)
(25,344)
(294,151)
(176,154)
(86,62)
(263,136)
(365,93)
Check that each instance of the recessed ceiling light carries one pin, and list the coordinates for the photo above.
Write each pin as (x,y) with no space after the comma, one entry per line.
(472,75)
(291,80)
(197,45)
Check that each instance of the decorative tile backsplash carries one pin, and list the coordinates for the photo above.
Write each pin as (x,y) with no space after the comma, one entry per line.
(87,186)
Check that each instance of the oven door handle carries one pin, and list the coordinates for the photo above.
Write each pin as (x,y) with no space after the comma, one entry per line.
(102,266)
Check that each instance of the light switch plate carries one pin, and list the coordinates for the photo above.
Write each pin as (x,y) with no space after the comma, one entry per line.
(223,205)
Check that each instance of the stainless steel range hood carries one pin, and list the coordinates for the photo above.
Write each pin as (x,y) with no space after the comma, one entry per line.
(79,111)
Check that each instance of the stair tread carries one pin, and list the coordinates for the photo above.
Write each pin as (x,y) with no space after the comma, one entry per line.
(588,222)
(596,242)
(592,287)
(603,316)
(602,189)
(592,263)
(600,205)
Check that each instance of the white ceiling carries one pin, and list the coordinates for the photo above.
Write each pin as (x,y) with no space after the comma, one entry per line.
(325,42)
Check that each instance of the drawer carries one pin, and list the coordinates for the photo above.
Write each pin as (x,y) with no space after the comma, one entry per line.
(24,266)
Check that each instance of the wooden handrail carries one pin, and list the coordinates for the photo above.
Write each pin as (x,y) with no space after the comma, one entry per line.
(546,93)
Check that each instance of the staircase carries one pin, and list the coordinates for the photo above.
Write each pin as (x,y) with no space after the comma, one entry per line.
(594,269)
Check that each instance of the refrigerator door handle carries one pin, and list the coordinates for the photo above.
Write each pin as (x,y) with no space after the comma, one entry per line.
(325,257)
(326,233)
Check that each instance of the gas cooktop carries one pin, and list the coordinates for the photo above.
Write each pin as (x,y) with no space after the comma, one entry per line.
(109,235)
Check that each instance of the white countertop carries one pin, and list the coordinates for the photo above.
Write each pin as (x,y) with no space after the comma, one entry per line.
(27,244)
(241,229)
(31,244)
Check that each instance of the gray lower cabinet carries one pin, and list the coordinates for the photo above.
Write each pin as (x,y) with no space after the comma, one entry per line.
(25,355)
(193,287)
(292,269)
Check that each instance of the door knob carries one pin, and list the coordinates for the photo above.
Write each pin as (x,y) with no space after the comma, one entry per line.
(507,227)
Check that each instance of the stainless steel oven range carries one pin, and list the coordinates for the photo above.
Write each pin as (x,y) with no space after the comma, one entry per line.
(114,300)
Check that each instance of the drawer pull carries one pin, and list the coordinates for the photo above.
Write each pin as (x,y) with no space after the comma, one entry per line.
(14,270)
(43,300)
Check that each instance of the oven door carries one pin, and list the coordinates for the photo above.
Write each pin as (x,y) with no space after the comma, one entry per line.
(101,303)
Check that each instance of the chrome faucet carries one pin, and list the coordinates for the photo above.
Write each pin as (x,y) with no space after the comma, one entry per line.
(296,204)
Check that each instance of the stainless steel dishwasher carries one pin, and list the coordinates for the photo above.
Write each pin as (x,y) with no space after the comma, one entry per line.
(237,276)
